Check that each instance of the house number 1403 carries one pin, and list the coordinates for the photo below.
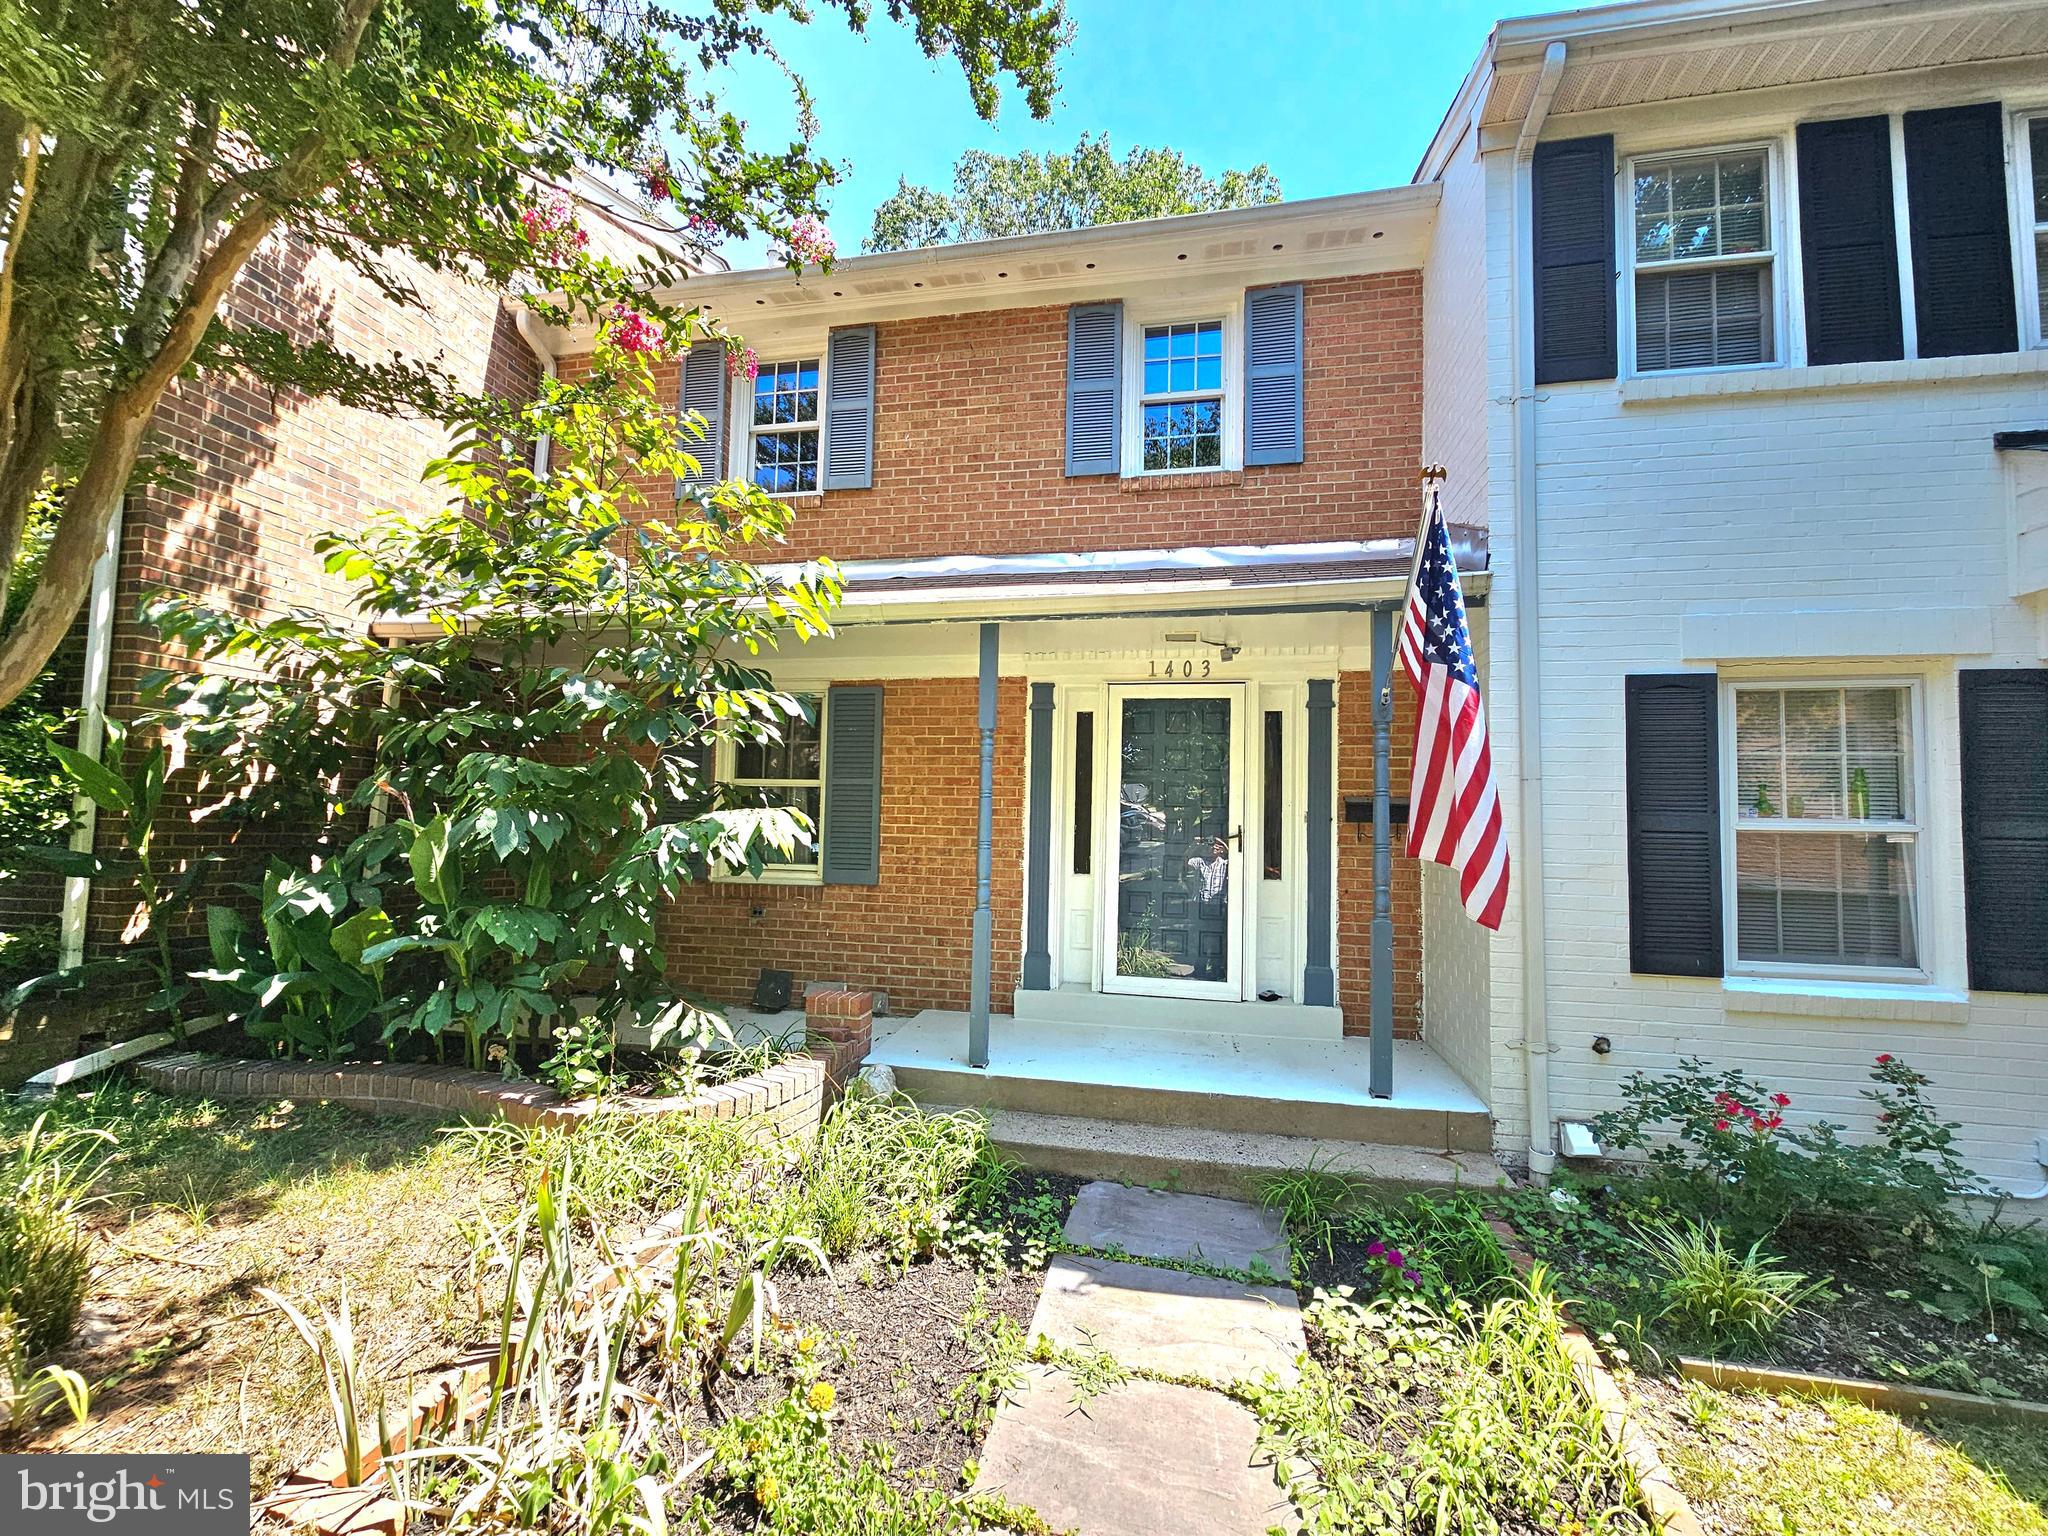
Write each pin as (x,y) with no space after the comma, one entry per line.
(1186,667)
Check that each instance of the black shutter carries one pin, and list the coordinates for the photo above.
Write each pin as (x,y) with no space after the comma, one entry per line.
(2005,827)
(1572,219)
(1674,824)
(850,843)
(1956,213)
(1848,243)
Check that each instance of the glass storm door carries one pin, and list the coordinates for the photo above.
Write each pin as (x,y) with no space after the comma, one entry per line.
(1174,917)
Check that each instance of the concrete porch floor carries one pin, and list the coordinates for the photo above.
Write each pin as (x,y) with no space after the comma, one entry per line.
(1215,1082)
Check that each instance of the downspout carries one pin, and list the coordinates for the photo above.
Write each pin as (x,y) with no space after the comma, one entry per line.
(92,736)
(529,329)
(1528,658)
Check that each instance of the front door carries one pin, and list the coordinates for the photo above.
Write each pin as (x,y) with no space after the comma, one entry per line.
(1173,910)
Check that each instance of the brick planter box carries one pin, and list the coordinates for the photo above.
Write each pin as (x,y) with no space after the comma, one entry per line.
(790,1096)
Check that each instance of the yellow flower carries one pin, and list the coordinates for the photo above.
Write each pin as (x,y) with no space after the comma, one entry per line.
(767,1491)
(806,1344)
(821,1396)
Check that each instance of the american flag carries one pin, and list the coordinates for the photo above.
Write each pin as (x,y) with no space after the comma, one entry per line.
(1454,812)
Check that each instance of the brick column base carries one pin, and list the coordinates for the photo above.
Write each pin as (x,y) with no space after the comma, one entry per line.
(838,1028)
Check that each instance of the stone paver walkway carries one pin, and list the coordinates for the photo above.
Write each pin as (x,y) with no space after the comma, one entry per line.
(1150,1456)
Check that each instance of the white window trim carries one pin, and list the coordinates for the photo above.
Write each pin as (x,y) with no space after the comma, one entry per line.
(1181,312)
(740,391)
(2032,333)
(1781,265)
(726,759)
(1734,968)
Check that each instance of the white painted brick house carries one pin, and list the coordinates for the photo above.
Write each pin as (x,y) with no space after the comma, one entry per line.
(1734,339)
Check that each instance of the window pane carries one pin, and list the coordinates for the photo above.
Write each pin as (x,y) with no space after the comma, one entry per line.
(795,756)
(1084,791)
(1274,779)
(1825,898)
(1759,753)
(1186,434)
(1699,206)
(1702,319)
(786,460)
(2037,145)
(1829,753)
(1183,357)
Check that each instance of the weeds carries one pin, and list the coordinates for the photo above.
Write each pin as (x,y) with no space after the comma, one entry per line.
(1309,1200)
(45,1255)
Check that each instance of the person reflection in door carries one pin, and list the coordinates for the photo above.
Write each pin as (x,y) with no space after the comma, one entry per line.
(1210,869)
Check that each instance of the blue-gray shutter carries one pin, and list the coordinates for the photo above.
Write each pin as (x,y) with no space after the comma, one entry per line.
(850,842)
(850,409)
(1095,334)
(1847,245)
(1956,213)
(1672,736)
(1571,209)
(1272,375)
(704,393)
(2004,718)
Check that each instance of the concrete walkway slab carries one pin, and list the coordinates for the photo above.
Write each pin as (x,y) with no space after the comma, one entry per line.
(1142,1459)
(1153,1224)
(1169,1321)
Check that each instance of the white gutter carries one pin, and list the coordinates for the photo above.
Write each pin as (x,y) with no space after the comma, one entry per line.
(92,736)
(529,328)
(1528,658)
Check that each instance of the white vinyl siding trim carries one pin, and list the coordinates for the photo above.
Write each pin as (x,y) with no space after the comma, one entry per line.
(1823,855)
(1701,233)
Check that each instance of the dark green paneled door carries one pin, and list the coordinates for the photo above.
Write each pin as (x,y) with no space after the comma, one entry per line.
(1179,844)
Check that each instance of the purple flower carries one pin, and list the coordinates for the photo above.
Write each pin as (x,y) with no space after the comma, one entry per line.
(1411,1276)
(1394,1259)
(1374,1249)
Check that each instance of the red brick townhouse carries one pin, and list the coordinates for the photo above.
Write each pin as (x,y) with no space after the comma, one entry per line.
(1093,764)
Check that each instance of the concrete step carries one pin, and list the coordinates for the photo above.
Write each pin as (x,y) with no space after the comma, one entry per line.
(1391,1124)
(1083,1005)
(1229,1164)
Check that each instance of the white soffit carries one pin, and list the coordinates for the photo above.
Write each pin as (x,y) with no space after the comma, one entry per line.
(1629,55)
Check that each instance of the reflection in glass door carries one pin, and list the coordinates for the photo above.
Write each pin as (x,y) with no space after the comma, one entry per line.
(1175,915)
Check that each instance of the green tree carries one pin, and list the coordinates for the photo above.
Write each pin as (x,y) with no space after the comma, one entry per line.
(149,147)
(1024,194)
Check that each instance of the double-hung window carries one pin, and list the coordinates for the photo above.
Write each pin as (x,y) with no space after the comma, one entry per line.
(1180,409)
(1701,248)
(788,771)
(2033,154)
(784,430)
(1826,835)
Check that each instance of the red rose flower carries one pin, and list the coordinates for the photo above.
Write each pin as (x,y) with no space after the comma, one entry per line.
(1885,1060)
(1781,1099)
(1721,1125)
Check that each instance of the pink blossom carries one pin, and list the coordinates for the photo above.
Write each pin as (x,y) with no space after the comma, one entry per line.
(551,229)
(632,331)
(1722,1125)
(657,178)
(808,243)
(741,360)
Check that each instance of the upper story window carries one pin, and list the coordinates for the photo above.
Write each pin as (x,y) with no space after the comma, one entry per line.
(1826,838)
(784,428)
(2033,147)
(1703,260)
(1181,408)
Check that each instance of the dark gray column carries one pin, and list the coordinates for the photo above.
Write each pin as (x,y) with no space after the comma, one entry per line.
(984,857)
(1037,975)
(1318,978)
(1380,1073)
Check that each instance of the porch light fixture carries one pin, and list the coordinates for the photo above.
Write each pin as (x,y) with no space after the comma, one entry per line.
(1228,651)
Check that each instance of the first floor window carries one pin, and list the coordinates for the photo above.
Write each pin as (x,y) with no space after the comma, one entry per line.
(1702,253)
(1181,407)
(1826,833)
(785,427)
(789,771)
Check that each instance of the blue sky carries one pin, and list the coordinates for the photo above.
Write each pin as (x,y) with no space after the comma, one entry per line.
(1335,97)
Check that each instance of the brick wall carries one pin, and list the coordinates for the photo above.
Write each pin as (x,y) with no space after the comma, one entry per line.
(265,472)
(970,433)
(909,935)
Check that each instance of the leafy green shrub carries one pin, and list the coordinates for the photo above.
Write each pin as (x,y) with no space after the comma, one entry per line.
(35,798)
(1997,1274)
(45,1255)
(1718,1295)
(1720,1143)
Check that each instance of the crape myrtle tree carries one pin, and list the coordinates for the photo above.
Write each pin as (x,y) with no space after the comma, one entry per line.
(149,147)
(1026,194)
